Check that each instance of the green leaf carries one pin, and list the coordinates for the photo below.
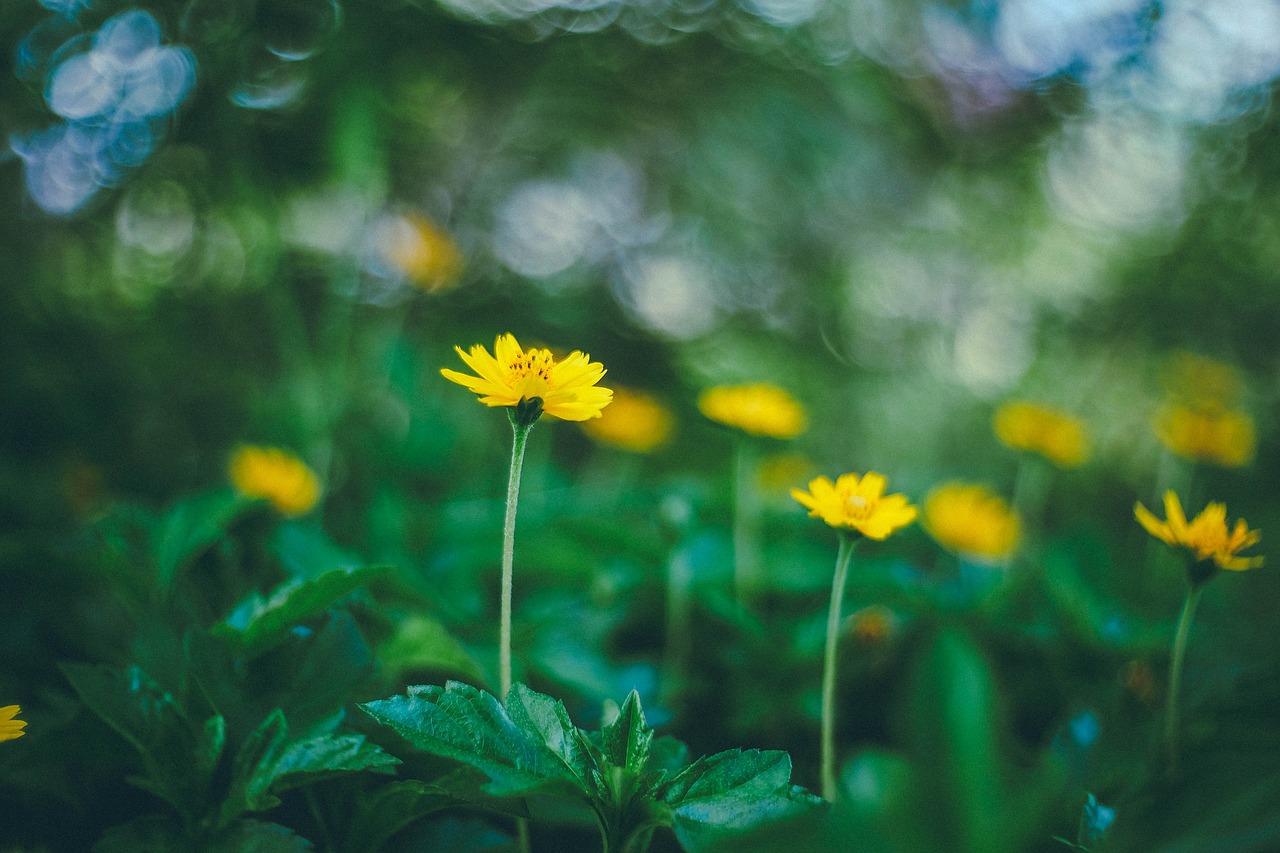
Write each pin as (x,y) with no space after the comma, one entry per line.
(390,808)
(954,714)
(191,526)
(213,739)
(466,724)
(422,643)
(732,792)
(147,834)
(155,725)
(627,739)
(259,623)
(250,784)
(305,761)
(258,836)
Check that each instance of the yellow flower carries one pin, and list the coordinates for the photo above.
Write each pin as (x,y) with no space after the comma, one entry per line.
(425,253)
(759,409)
(11,728)
(1206,433)
(1054,434)
(855,503)
(515,377)
(1206,535)
(635,421)
(971,520)
(276,476)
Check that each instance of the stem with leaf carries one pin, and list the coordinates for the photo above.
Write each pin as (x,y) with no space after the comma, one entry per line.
(829,667)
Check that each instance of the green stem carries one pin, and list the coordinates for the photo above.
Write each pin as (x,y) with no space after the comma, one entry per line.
(829,668)
(520,434)
(745,524)
(1175,675)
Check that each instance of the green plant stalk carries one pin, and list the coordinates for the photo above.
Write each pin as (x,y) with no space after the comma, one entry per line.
(520,436)
(829,668)
(1175,675)
(746,524)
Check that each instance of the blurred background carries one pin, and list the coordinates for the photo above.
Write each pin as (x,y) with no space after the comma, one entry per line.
(270,222)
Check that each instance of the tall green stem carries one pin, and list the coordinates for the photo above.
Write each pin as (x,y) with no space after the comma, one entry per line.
(746,524)
(829,668)
(520,434)
(1175,675)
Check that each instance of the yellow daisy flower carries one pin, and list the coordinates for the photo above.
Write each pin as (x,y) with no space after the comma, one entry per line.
(971,520)
(519,378)
(1052,433)
(277,476)
(635,421)
(1206,535)
(855,503)
(11,728)
(758,409)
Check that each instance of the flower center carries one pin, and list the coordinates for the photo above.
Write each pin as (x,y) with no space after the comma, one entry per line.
(529,373)
(858,506)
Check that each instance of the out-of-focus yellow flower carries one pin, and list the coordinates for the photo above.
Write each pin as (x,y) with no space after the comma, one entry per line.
(634,421)
(778,471)
(1206,535)
(11,728)
(424,252)
(759,409)
(515,377)
(970,519)
(857,503)
(276,476)
(1206,433)
(1198,380)
(872,624)
(1059,437)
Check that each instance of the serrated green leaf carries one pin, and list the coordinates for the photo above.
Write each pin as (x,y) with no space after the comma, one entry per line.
(325,756)
(390,808)
(153,723)
(422,643)
(191,526)
(627,739)
(259,623)
(468,725)
(731,792)
(547,718)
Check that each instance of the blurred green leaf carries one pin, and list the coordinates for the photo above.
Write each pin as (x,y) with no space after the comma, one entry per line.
(259,623)
(422,643)
(389,808)
(192,525)
(151,720)
(257,836)
(147,834)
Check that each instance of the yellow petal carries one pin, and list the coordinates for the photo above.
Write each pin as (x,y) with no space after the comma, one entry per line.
(1153,525)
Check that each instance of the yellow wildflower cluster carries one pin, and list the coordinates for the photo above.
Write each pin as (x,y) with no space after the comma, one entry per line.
(971,520)
(634,421)
(276,476)
(1054,434)
(759,409)
(515,377)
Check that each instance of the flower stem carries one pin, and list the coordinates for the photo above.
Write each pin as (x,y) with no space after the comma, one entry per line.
(746,524)
(520,433)
(829,668)
(1175,675)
